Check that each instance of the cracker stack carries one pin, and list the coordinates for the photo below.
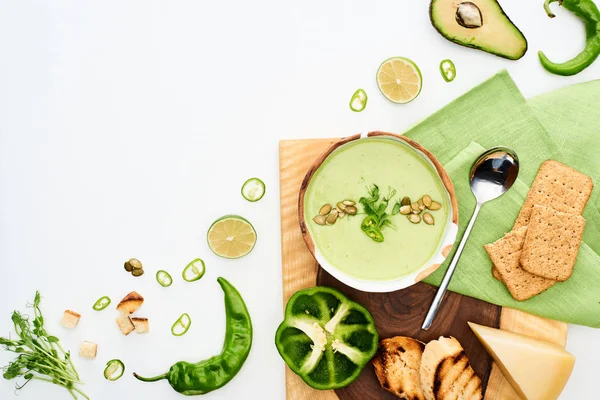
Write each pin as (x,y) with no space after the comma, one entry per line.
(542,248)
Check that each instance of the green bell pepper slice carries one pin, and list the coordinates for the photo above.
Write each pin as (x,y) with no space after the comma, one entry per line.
(326,338)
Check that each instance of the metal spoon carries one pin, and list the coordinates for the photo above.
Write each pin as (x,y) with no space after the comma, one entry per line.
(492,174)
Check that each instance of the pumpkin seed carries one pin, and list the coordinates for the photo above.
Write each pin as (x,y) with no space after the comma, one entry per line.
(415,206)
(341,206)
(421,205)
(348,202)
(405,210)
(351,210)
(325,209)
(341,214)
(414,218)
(128,267)
(320,219)
(435,206)
(406,201)
(137,272)
(331,218)
(416,211)
(427,200)
(428,219)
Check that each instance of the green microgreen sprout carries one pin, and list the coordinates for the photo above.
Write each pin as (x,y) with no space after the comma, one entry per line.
(39,355)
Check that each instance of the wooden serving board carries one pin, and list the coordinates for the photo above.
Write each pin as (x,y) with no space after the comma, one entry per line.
(397,313)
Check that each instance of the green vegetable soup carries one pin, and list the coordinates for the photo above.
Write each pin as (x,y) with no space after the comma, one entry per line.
(347,173)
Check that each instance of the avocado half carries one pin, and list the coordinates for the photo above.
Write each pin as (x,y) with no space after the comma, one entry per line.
(490,31)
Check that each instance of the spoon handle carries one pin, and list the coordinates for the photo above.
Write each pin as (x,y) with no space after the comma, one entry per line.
(439,296)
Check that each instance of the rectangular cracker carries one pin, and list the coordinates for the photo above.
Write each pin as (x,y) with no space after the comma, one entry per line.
(496,274)
(552,243)
(505,254)
(559,187)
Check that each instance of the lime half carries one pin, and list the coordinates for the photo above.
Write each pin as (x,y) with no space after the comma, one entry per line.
(253,189)
(399,79)
(231,236)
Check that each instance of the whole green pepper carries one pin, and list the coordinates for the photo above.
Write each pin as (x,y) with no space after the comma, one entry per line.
(326,338)
(587,11)
(215,372)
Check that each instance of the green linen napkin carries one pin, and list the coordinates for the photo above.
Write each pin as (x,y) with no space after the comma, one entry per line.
(495,113)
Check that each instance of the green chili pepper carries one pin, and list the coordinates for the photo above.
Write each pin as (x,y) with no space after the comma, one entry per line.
(182,325)
(326,338)
(375,234)
(114,370)
(448,70)
(194,270)
(101,303)
(370,226)
(369,222)
(164,278)
(215,372)
(587,11)
(359,99)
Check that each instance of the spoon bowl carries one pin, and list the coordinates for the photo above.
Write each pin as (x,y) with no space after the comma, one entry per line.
(492,174)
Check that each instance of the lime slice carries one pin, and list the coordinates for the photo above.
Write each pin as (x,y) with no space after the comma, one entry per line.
(253,189)
(231,236)
(399,79)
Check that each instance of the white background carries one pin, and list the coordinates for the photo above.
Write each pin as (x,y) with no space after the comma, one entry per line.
(127,127)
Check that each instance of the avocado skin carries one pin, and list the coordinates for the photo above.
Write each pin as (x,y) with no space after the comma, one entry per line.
(474,46)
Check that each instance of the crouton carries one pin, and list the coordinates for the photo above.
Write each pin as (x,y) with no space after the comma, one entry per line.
(125,324)
(141,325)
(70,319)
(130,303)
(88,350)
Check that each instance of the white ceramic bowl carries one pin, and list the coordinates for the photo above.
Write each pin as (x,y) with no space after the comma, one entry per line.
(448,236)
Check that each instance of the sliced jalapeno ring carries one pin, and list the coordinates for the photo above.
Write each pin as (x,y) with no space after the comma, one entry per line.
(114,370)
(375,234)
(368,223)
(359,99)
(182,325)
(102,303)
(164,278)
(253,189)
(194,270)
(448,70)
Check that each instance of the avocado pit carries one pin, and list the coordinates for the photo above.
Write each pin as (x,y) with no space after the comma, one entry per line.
(469,15)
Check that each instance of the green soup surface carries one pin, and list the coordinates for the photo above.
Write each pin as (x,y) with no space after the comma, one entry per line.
(345,174)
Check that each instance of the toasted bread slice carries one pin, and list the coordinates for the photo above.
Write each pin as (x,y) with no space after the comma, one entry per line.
(70,319)
(397,367)
(125,324)
(141,325)
(130,303)
(446,373)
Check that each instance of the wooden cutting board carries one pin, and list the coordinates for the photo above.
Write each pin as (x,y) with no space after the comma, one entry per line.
(397,313)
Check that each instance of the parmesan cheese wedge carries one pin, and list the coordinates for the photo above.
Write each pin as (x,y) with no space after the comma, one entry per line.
(536,369)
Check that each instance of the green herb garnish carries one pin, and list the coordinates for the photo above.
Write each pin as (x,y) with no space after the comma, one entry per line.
(375,206)
(40,356)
